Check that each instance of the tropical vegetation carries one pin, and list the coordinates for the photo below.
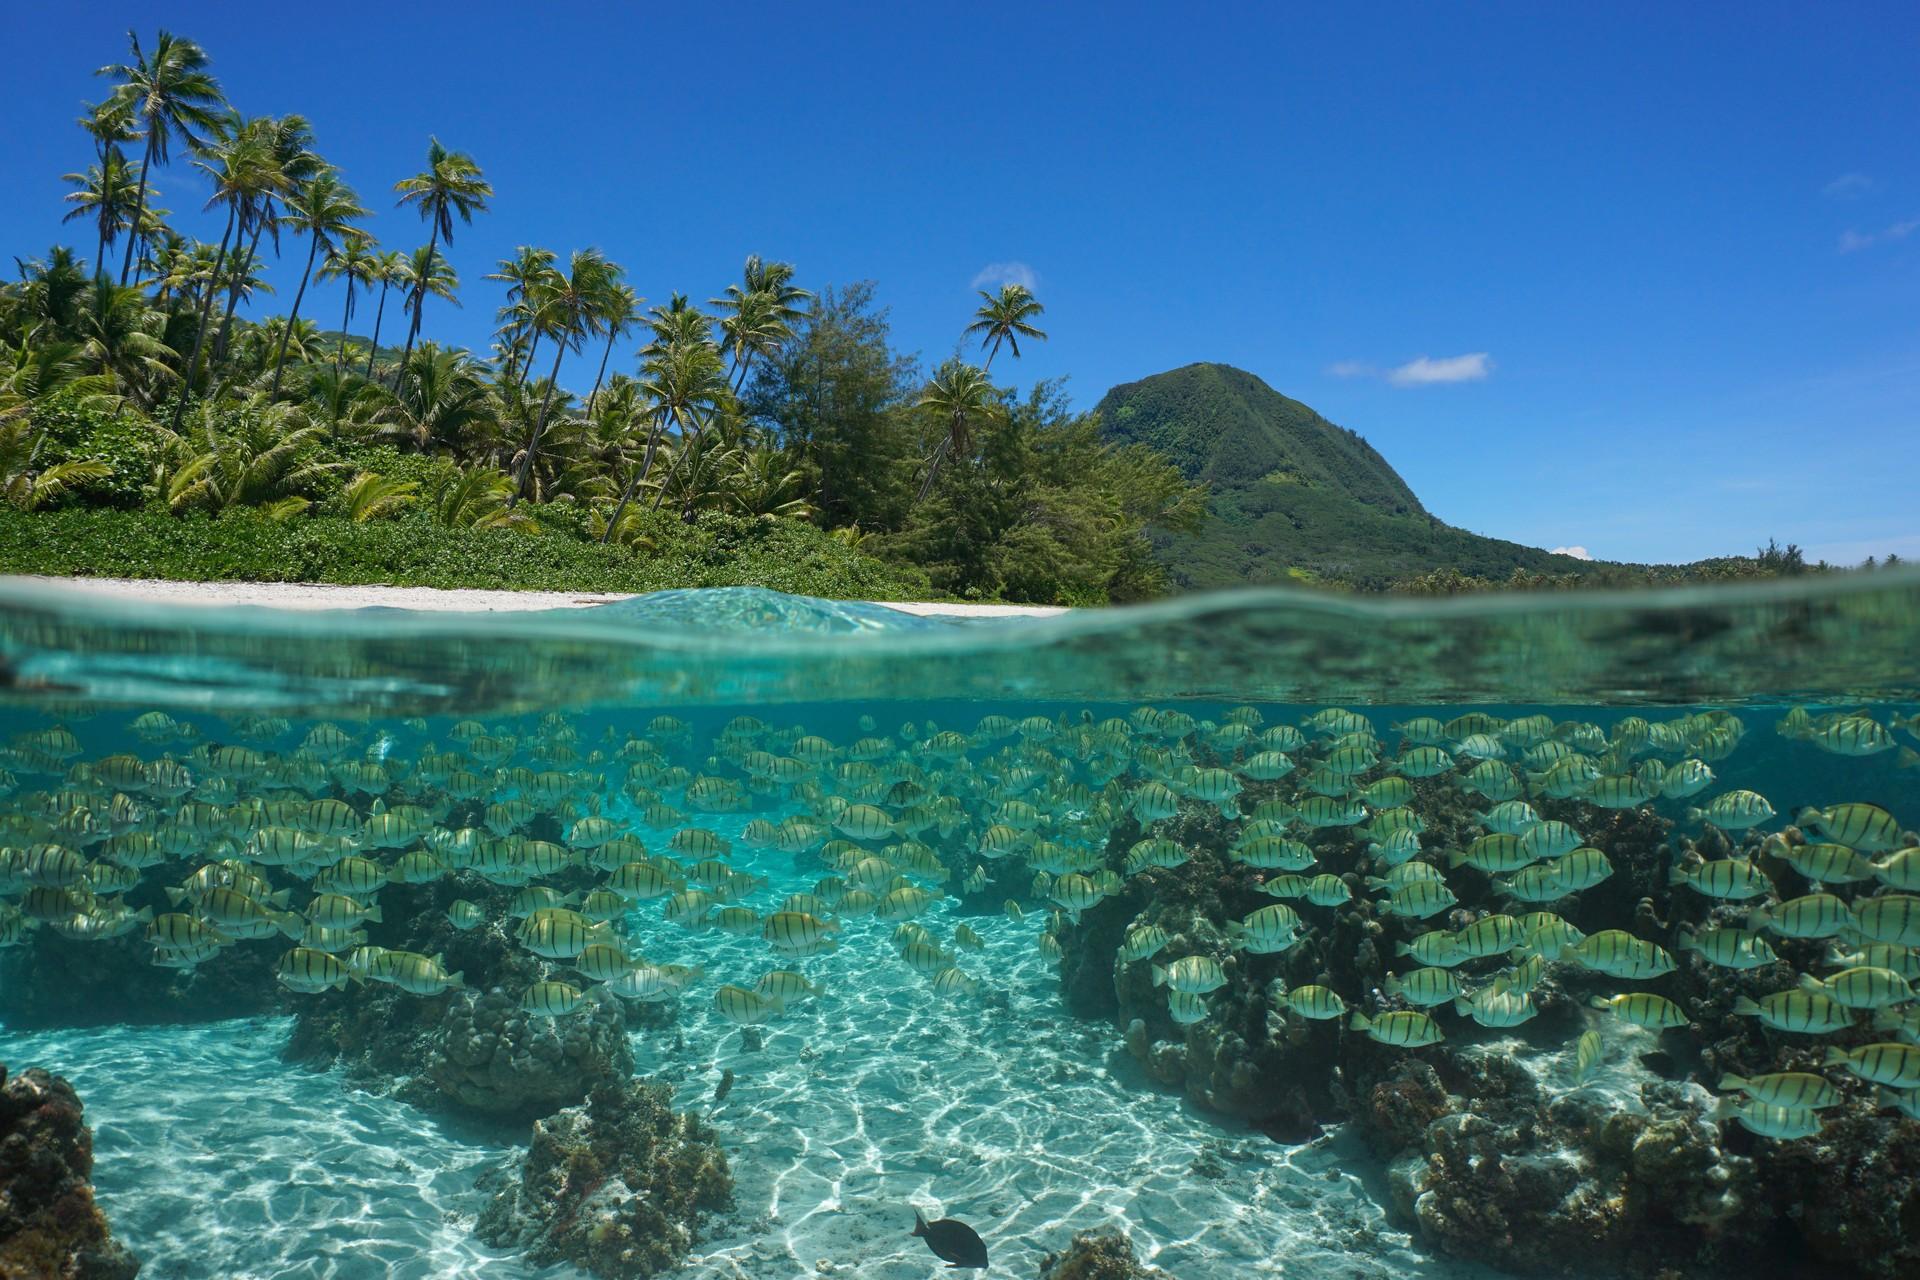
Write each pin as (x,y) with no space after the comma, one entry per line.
(156,418)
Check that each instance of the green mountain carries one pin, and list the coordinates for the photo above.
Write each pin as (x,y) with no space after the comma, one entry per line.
(1293,495)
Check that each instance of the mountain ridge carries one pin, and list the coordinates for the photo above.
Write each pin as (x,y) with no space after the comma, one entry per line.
(1293,496)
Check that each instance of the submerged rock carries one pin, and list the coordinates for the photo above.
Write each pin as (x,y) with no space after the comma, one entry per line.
(617,1187)
(50,1227)
(1098,1255)
(471,1050)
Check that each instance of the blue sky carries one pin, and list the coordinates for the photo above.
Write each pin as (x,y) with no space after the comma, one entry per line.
(1642,279)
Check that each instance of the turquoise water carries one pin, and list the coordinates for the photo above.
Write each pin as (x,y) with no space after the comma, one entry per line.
(1031,1096)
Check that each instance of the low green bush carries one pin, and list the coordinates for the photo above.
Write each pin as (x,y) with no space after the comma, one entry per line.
(414,551)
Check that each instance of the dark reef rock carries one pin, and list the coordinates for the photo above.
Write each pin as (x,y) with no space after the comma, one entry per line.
(1098,1255)
(58,982)
(470,1050)
(618,1187)
(50,1227)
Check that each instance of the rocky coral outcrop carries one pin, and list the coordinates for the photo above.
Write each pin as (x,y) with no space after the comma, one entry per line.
(618,1187)
(470,1050)
(50,1227)
(1098,1255)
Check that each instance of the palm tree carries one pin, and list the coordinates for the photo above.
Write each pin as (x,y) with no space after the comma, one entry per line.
(257,456)
(958,395)
(289,161)
(121,336)
(172,96)
(450,184)
(622,309)
(326,209)
(478,499)
(389,268)
(1006,317)
(353,261)
(236,165)
(371,496)
(438,400)
(424,272)
(567,309)
(761,313)
(525,269)
(105,194)
(687,385)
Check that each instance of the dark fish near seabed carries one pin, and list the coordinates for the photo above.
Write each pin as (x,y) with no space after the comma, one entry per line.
(955,1243)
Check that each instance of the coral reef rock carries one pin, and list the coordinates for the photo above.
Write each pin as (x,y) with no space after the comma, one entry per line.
(617,1187)
(471,1050)
(50,1228)
(1098,1255)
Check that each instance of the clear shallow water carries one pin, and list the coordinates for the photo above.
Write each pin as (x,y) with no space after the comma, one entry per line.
(216,1158)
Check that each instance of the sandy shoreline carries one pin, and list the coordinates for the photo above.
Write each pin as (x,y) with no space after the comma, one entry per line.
(304,595)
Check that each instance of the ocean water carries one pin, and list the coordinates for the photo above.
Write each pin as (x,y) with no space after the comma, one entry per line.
(989,748)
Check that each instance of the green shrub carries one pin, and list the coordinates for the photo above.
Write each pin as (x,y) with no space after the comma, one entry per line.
(414,551)
(128,442)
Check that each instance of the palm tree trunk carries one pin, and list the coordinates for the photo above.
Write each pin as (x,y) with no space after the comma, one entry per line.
(346,318)
(200,326)
(419,298)
(633,482)
(539,425)
(378,312)
(933,468)
(313,247)
(686,449)
(234,286)
(533,345)
(598,377)
(139,205)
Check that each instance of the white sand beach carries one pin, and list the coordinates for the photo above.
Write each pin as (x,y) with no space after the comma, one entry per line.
(310,595)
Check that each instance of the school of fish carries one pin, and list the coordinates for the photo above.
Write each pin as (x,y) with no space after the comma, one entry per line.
(264,832)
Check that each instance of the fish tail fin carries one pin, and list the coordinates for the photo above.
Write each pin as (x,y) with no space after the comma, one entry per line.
(144,915)
(919,1224)
(1695,815)
(1455,857)
(1677,875)
(281,899)
(458,980)
(1907,759)
(1810,983)
(1159,976)
(176,894)
(1600,1002)
(1462,1006)
(1724,1109)
(1758,918)
(373,914)
(1808,816)
(1359,1022)
(1836,1057)
(1745,1007)
(1729,1083)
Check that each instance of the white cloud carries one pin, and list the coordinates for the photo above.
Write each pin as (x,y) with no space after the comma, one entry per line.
(1848,186)
(995,274)
(1426,370)
(1422,371)
(1851,241)
(1578,553)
